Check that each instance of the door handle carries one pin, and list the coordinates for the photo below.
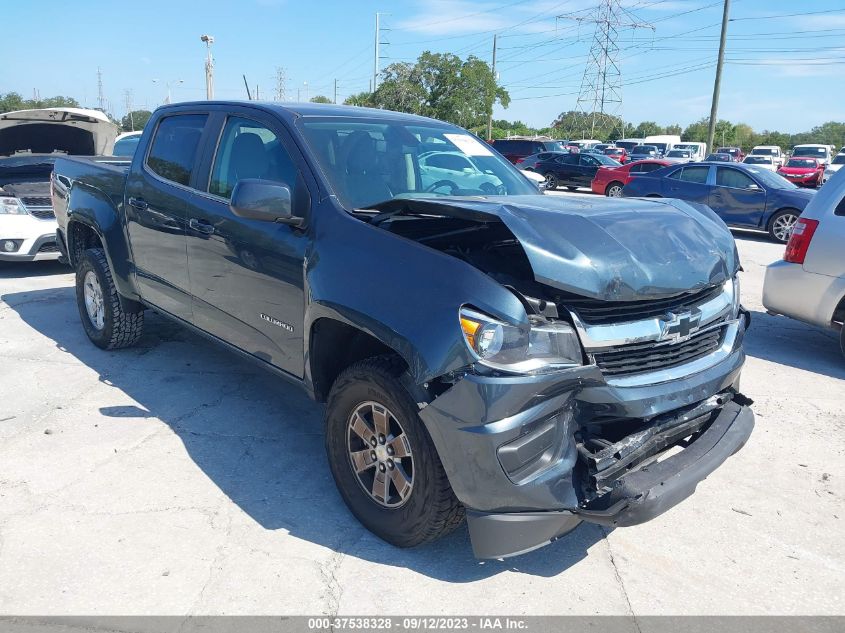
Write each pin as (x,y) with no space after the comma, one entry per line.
(201,226)
(138,203)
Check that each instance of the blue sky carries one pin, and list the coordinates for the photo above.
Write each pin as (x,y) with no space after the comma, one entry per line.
(784,72)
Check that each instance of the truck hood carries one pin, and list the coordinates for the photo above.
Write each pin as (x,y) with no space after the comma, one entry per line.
(604,248)
(63,130)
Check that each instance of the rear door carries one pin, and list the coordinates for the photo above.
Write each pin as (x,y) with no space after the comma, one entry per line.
(247,275)
(157,189)
(737,198)
(689,183)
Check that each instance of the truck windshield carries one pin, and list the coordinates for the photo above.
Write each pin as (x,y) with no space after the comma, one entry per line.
(370,161)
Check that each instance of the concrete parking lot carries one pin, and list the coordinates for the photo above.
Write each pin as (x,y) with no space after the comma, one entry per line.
(174,478)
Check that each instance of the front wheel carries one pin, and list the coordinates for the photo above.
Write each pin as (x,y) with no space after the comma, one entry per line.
(614,190)
(782,223)
(105,321)
(382,459)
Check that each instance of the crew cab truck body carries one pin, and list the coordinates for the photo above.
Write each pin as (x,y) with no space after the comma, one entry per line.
(484,350)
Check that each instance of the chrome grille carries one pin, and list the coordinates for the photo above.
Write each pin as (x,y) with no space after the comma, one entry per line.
(645,357)
(40,207)
(598,312)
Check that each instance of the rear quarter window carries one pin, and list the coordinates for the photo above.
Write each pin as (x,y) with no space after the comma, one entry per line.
(174,147)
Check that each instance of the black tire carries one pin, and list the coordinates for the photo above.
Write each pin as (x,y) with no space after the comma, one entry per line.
(431,509)
(573,188)
(777,222)
(551,181)
(614,186)
(119,327)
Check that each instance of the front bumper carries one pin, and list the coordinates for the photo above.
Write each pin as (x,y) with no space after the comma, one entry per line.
(537,420)
(35,238)
(32,249)
(803,181)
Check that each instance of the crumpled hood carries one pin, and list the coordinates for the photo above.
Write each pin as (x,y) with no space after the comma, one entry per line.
(612,249)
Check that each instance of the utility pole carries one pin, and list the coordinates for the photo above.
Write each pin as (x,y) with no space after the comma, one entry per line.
(335,91)
(717,85)
(209,66)
(246,85)
(490,118)
(101,100)
(600,95)
(378,43)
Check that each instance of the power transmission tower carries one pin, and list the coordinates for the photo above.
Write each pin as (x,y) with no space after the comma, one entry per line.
(600,95)
(100,98)
(281,81)
(127,95)
(378,43)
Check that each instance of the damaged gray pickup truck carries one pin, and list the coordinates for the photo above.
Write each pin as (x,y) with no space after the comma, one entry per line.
(485,351)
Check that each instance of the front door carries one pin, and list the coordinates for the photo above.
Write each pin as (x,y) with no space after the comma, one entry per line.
(737,198)
(155,203)
(247,275)
(587,169)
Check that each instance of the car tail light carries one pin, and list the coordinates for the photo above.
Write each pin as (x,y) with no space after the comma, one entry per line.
(799,241)
(520,160)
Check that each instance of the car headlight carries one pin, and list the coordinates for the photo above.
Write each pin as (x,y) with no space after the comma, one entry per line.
(539,347)
(736,296)
(11,206)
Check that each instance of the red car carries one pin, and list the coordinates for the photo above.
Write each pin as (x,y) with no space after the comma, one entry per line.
(734,152)
(618,153)
(609,181)
(804,172)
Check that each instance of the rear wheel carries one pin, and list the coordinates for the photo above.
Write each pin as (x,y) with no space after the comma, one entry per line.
(614,190)
(382,459)
(105,321)
(551,180)
(782,223)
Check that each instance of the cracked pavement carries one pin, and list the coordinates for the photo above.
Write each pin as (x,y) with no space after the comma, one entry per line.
(175,478)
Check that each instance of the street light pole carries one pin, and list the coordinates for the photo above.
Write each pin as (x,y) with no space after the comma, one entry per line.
(209,66)
(169,84)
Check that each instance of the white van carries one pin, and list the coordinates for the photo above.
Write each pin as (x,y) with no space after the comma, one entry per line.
(588,143)
(699,150)
(769,150)
(663,142)
(813,150)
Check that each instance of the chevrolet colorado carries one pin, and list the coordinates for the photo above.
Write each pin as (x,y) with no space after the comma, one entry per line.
(484,351)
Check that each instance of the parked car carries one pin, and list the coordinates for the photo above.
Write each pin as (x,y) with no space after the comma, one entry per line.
(572,170)
(762,161)
(679,155)
(529,163)
(822,153)
(809,283)
(719,158)
(772,151)
(440,169)
(834,166)
(698,150)
(584,354)
(514,149)
(585,143)
(609,180)
(619,154)
(644,152)
(628,143)
(126,143)
(734,152)
(30,142)
(804,172)
(742,195)
(601,147)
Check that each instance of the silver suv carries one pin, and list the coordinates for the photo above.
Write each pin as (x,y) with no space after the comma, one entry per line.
(809,283)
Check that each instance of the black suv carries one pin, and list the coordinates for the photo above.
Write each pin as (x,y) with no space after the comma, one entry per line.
(513,148)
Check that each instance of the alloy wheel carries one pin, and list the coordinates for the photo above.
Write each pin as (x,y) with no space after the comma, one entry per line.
(783,225)
(380,454)
(614,191)
(94,304)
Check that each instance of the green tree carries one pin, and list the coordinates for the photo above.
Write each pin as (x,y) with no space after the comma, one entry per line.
(363,99)
(647,128)
(320,99)
(578,125)
(136,121)
(12,101)
(674,129)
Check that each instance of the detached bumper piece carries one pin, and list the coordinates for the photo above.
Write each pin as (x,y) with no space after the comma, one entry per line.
(629,481)
(647,491)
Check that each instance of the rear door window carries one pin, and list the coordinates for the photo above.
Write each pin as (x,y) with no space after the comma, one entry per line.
(174,148)
(694,174)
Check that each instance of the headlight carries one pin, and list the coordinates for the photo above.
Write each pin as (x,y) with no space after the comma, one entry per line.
(541,346)
(11,206)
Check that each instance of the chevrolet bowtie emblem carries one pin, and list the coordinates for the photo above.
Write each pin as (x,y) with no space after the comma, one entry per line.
(679,326)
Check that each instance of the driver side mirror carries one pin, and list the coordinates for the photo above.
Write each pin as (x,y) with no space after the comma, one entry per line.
(265,201)
(753,187)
